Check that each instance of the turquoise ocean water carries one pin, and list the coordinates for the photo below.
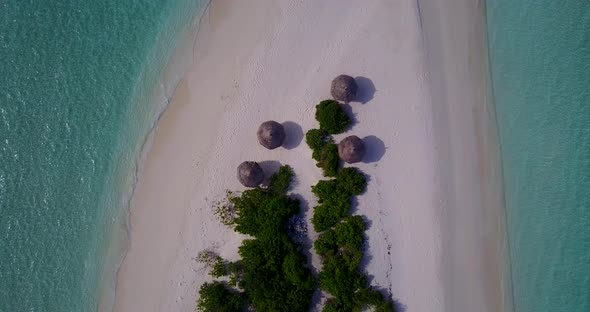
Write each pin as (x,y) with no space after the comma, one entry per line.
(540,62)
(79,91)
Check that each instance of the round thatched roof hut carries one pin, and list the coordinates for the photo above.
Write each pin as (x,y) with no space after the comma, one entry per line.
(343,88)
(271,134)
(351,149)
(250,174)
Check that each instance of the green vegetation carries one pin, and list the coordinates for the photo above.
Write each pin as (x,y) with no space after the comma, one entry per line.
(271,271)
(341,249)
(329,160)
(334,197)
(340,243)
(207,257)
(332,117)
(352,180)
(225,210)
(261,212)
(317,138)
(218,269)
(330,210)
(325,152)
(279,182)
(345,239)
(219,298)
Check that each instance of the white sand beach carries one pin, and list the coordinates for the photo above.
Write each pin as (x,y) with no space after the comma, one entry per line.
(434,200)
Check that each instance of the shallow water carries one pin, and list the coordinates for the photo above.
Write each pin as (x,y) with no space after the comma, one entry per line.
(77,98)
(540,61)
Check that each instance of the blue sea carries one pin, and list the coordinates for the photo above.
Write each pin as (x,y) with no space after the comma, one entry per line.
(80,88)
(540,64)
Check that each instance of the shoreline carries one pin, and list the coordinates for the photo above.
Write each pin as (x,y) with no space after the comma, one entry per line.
(474,130)
(169,77)
(238,66)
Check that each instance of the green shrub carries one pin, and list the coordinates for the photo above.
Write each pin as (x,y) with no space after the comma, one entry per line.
(333,204)
(280,181)
(235,271)
(317,138)
(333,305)
(216,297)
(334,197)
(339,281)
(330,212)
(219,268)
(272,271)
(369,297)
(325,243)
(345,240)
(260,211)
(349,288)
(332,117)
(274,276)
(352,180)
(349,233)
(225,210)
(386,305)
(325,189)
(324,151)
(329,160)
(207,257)
(340,244)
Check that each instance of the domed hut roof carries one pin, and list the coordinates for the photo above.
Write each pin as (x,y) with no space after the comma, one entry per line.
(351,149)
(250,174)
(271,134)
(343,88)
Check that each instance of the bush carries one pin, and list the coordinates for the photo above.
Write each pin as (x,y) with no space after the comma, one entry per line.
(317,138)
(271,271)
(386,305)
(325,189)
(260,211)
(352,180)
(332,117)
(329,160)
(225,210)
(219,268)
(324,151)
(340,244)
(339,281)
(216,297)
(333,305)
(235,271)
(325,243)
(330,212)
(274,275)
(333,204)
(345,240)
(369,297)
(207,257)
(349,233)
(280,181)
